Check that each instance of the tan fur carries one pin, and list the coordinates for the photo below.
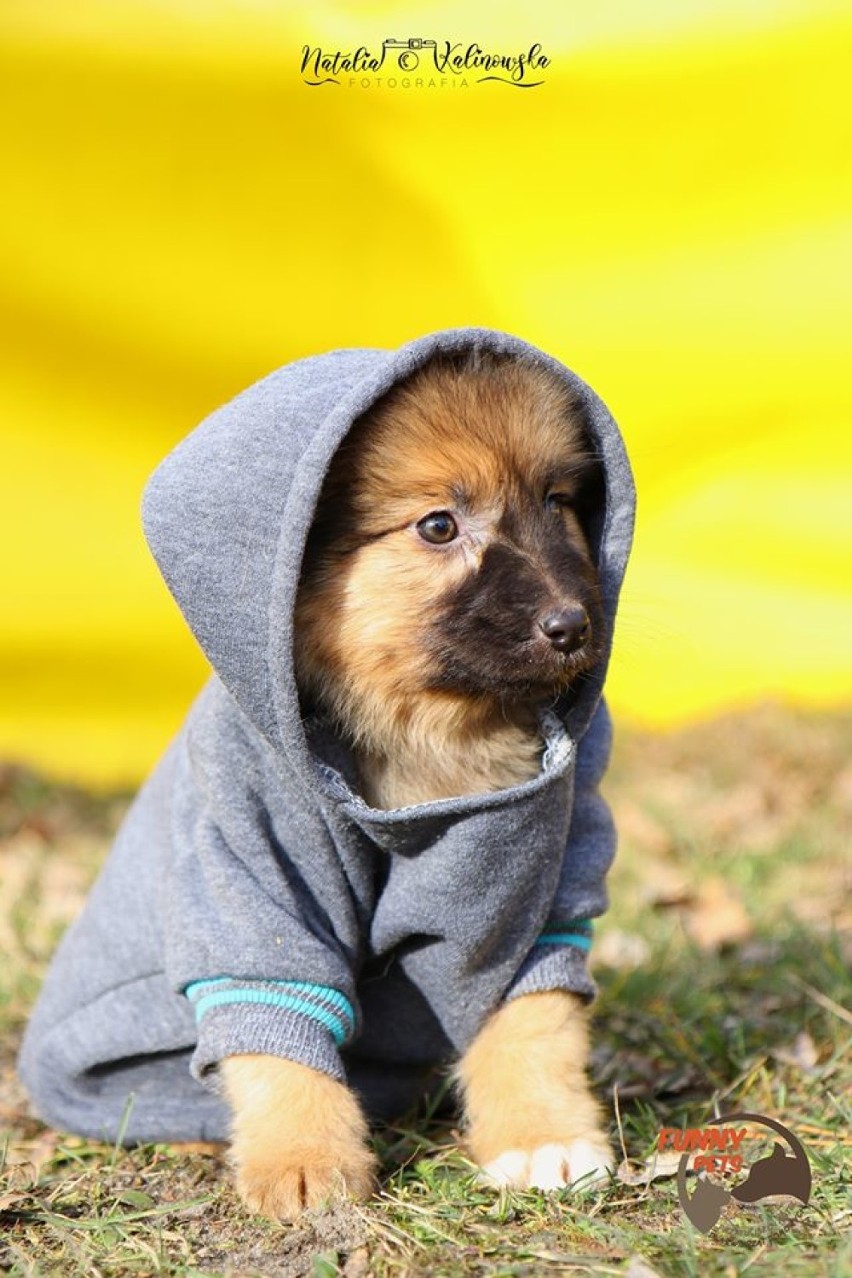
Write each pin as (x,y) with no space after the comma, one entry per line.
(470,760)
(523,1079)
(299,1138)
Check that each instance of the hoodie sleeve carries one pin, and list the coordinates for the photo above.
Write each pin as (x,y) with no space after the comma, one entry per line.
(261,927)
(558,959)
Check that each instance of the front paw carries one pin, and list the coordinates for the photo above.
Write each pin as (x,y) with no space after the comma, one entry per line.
(578,1164)
(532,1122)
(299,1138)
(283,1183)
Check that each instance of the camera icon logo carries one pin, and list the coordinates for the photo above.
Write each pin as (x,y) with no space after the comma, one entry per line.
(408,59)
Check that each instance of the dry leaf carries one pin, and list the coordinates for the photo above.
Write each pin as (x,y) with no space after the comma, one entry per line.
(717,917)
(8,1201)
(667,885)
(636,1267)
(641,830)
(357,1264)
(842,789)
(209,1148)
(32,1154)
(623,950)
(658,1166)
(803,1054)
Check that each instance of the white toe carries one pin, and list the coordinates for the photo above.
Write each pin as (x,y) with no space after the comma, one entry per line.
(509,1168)
(580,1164)
(588,1163)
(549,1167)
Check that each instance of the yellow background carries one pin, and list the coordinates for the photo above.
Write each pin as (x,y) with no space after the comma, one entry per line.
(181,214)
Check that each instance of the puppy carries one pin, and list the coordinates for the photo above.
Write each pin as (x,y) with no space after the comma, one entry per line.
(447,596)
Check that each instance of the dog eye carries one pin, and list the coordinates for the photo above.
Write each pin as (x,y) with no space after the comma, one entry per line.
(558,501)
(438,528)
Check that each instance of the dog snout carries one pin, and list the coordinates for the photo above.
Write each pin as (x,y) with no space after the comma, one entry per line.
(566,628)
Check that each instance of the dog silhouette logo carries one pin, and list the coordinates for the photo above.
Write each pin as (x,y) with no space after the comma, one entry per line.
(717,1147)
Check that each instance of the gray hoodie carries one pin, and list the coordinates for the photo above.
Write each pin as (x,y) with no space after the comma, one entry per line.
(252,901)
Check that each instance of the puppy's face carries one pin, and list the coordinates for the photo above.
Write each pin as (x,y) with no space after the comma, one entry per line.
(449,558)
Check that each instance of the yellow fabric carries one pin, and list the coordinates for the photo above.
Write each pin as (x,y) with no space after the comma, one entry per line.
(181,214)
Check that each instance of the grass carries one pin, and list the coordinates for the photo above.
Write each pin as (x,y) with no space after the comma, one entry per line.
(724,969)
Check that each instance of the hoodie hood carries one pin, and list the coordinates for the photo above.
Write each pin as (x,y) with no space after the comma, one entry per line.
(227,514)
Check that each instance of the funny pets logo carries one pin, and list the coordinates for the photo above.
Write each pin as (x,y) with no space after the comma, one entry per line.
(722,1148)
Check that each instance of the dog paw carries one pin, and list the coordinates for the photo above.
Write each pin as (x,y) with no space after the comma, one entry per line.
(532,1121)
(581,1164)
(283,1188)
(299,1138)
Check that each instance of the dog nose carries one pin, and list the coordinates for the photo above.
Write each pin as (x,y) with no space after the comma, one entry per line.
(568,629)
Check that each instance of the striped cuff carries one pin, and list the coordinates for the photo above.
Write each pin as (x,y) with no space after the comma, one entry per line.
(319,1003)
(557,961)
(576,932)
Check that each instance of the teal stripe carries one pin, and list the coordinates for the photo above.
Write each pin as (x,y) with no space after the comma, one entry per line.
(326,993)
(338,1029)
(580,940)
